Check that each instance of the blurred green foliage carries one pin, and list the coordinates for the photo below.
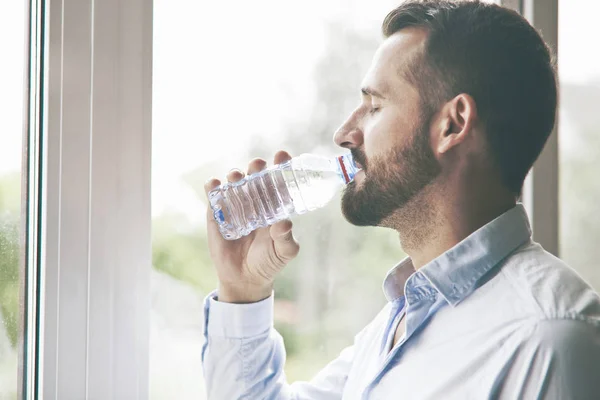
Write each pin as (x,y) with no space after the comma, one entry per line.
(10,192)
(182,252)
(579,199)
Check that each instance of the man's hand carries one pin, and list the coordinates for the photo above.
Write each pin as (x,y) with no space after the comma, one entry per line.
(247,267)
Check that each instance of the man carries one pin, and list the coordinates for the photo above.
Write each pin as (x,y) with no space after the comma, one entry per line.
(456,107)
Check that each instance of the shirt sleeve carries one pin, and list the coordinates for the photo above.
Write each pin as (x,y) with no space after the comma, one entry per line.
(243,357)
(559,360)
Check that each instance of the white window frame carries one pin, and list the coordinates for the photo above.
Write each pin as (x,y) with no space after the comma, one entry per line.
(30,202)
(95,220)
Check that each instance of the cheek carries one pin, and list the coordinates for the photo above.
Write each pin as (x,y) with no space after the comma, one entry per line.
(386,132)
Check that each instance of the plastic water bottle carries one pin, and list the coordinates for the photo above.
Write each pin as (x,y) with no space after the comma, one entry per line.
(302,184)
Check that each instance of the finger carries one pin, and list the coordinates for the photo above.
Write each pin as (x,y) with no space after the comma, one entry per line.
(281,228)
(286,246)
(256,165)
(281,157)
(235,175)
(211,184)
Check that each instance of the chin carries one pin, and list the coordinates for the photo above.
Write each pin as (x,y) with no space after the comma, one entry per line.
(358,211)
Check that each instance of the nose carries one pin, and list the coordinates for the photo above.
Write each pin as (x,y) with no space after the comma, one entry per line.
(350,134)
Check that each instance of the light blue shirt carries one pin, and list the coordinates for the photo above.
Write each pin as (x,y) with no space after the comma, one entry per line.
(495,317)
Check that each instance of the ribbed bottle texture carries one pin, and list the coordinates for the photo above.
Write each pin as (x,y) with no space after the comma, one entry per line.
(303,184)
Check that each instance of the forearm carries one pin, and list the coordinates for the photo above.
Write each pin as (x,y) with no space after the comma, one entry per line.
(243,356)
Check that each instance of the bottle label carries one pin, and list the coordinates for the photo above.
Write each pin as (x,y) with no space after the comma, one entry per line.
(343,167)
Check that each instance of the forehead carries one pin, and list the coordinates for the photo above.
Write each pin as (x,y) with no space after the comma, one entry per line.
(393,57)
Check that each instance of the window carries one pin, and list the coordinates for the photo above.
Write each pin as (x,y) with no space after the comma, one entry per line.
(236,80)
(12,43)
(579,136)
(232,80)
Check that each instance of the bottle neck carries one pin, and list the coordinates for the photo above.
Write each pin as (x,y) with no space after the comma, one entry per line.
(347,169)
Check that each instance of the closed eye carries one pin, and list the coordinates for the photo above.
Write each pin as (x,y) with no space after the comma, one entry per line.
(374,110)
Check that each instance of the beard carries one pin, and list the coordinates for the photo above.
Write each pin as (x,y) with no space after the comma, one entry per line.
(390,181)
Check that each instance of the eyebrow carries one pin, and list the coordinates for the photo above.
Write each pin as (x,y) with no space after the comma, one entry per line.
(368,91)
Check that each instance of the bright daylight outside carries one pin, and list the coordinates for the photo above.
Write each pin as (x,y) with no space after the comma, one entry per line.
(237,80)
(579,138)
(12,48)
(233,81)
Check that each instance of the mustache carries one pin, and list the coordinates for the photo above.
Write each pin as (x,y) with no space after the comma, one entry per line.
(360,158)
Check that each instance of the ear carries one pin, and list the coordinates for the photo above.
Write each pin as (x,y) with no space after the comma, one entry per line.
(455,123)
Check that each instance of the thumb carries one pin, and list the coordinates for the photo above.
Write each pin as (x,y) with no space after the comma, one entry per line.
(286,246)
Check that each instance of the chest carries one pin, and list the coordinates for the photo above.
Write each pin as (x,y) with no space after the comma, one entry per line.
(400,330)
(437,361)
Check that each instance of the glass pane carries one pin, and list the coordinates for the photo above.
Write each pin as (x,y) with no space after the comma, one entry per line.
(12,48)
(579,127)
(236,80)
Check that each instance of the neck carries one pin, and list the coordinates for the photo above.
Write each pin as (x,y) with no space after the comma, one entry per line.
(437,220)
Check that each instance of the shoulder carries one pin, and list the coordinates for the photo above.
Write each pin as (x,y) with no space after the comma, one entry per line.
(571,350)
(574,338)
(555,359)
(554,290)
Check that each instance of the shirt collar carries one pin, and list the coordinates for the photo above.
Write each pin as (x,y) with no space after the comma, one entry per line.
(456,273)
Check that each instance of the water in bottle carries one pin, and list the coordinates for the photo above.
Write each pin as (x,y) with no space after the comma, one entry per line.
(302,184)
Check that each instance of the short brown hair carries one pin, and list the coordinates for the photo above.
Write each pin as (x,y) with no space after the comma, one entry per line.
(493,54)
